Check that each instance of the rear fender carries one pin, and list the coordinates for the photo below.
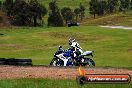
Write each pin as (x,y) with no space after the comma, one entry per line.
(87,53)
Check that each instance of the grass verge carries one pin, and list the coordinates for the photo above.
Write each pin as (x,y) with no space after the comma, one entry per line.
(46,83)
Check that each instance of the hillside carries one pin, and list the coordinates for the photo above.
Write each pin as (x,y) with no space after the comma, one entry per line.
(120,19)
(67,3)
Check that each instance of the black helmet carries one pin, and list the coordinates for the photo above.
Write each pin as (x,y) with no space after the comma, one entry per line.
(60,46)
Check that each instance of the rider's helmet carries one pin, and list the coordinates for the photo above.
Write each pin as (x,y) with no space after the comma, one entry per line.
(71,40)
(60,47)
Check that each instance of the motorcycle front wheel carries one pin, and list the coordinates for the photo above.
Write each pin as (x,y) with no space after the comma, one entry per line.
(56,62)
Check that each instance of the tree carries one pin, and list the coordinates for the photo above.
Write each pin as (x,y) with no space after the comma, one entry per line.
(37,11)
(53,7)
(101,8)
(23,13)
(67,14)
(93,7)
(113,6)
(8,5)
(77,12)
(131,4)
(55,18)
(82,11)
(0,5)
(19,13)
(124,5)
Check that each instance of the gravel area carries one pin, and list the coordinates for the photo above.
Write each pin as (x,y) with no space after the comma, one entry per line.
(16,72)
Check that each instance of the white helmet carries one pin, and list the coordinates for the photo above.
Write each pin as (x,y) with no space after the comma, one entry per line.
(71,40)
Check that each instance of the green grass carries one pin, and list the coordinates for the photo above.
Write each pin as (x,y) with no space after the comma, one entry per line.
(46,83)
(112,47)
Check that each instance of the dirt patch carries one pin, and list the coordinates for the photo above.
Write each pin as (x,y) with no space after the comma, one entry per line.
(4,22)
(11,46)
(12,72)
(55,34)
(66,35)
(129,50)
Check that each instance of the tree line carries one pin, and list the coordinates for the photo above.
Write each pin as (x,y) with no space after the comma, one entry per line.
(58,16)
(102,7)
(24,13)
(31,13)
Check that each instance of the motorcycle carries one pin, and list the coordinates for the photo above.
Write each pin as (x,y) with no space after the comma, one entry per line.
(62,58)
(73,56)
(70,58)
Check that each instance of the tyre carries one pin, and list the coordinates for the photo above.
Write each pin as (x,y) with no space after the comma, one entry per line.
(92,62)
(2,61)
(89,62)
(53,62)
(24,62)
(56,62)
(13,61)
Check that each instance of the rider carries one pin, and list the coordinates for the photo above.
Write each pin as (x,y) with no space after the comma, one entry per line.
(60,50)
(77,50)
(74,45)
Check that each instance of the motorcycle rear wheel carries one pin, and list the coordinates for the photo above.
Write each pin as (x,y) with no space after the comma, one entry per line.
(89,62)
